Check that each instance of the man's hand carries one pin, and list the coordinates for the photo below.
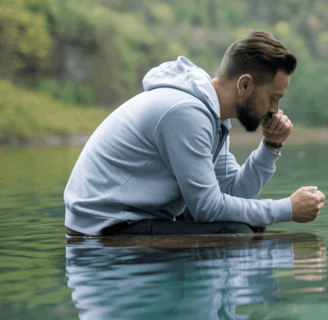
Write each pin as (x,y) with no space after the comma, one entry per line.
(306,204)
(277,129)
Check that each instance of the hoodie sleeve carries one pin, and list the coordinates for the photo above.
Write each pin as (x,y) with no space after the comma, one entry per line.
(248,180)
(184,137)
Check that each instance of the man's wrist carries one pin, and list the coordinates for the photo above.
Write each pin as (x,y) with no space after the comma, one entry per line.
(275,147)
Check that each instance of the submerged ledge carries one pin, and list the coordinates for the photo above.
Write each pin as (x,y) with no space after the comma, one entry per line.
(178,242)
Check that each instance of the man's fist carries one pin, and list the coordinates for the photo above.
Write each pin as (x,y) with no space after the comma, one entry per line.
(277,128)
(306,204)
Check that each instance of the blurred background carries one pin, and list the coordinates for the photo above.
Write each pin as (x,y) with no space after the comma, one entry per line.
(66,64)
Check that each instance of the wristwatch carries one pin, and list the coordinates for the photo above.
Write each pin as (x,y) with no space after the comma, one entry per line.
(273,145)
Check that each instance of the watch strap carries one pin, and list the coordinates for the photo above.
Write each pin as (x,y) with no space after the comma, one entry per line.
(273,144)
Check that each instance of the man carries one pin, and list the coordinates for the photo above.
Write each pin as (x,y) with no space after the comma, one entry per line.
(165,151)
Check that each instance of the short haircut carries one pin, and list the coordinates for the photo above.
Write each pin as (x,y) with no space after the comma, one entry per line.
(259,54)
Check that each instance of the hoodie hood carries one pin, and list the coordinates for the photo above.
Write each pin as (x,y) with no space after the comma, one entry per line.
(185,76)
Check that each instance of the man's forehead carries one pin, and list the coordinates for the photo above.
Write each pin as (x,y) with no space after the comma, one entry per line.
(279,84)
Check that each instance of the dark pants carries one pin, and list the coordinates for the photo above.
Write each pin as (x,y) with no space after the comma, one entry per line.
(185,224)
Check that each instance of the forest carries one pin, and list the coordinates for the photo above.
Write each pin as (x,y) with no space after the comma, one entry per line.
(121,40)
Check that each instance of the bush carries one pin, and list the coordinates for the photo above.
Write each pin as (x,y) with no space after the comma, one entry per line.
(24,36)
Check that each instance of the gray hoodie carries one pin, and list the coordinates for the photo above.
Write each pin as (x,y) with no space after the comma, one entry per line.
(166,149)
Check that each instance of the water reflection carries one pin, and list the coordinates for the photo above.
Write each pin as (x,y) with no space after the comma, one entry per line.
(185,277)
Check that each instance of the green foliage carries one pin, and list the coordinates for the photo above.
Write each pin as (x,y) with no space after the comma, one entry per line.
(124,39)
(72,16)
(162,12)
(82,96)
(135,35)
(26,112)
(23,34)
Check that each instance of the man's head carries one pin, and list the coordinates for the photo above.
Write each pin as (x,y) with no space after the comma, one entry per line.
(258,54)
(260,67)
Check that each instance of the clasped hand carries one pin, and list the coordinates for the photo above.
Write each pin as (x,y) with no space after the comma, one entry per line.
(277,128)
(306,201)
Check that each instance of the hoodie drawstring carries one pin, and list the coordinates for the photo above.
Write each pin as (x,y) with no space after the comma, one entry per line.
(226,169)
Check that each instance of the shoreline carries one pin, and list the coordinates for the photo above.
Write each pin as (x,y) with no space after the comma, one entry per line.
(237,138)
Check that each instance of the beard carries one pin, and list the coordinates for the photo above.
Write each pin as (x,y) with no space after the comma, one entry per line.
(248,115)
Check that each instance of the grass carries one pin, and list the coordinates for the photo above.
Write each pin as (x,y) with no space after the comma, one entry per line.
(27,113)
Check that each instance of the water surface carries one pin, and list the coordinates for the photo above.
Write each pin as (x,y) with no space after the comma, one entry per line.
(267,279)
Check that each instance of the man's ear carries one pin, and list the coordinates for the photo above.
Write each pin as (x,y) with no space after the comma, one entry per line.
(245,85)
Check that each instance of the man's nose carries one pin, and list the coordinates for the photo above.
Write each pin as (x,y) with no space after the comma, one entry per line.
(274,109)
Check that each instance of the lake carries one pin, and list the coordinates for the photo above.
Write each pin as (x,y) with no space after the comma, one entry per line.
(44,275)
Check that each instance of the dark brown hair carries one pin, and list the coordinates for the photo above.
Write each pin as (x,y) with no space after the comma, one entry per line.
(259,54)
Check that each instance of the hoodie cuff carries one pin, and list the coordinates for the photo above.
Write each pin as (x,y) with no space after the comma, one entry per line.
(283,210)
(266,157)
